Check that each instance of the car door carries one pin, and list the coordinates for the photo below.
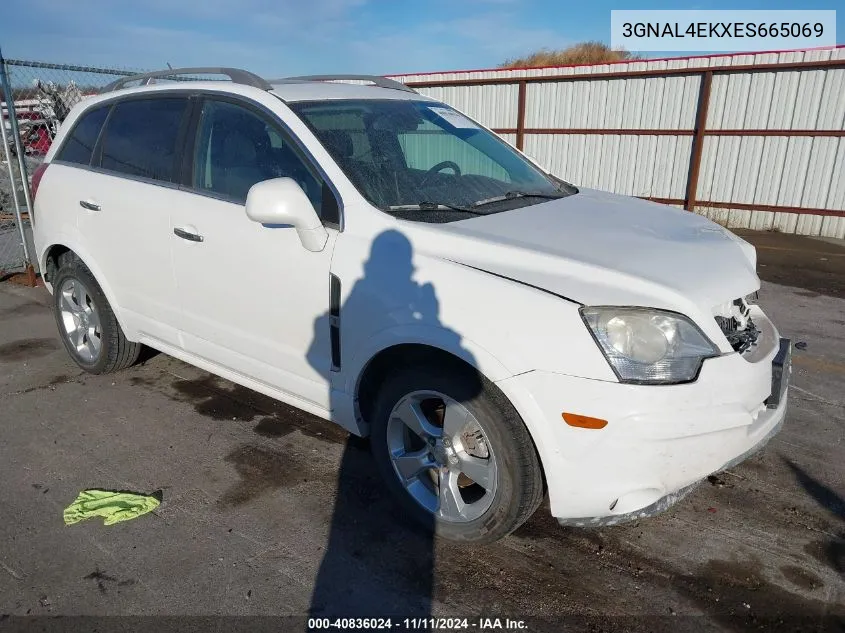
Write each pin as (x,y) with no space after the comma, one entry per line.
(253,297)
(125,206)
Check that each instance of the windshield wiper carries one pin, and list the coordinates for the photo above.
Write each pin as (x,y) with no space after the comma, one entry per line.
(510,195)
(434,206)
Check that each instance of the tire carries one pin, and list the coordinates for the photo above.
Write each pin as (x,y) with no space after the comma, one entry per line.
(510,496)
(103,348)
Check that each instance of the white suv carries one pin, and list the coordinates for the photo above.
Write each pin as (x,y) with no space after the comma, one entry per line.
(381,260)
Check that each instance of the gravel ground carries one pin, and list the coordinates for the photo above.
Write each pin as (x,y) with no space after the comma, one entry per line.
(269,511)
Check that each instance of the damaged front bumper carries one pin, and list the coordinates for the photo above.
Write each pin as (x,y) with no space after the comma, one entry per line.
(660,441)
(667,501)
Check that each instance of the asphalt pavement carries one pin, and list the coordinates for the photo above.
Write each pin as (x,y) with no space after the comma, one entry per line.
(268,511)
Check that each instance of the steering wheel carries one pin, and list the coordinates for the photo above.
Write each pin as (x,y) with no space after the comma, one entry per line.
(440,167)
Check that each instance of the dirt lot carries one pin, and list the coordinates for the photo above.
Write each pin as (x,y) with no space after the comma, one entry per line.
(794,260)
(268,511)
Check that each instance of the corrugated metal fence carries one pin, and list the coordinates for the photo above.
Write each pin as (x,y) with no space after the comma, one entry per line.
(753,140)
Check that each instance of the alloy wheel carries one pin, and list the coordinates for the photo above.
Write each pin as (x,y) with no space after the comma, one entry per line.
(442,456)
(81,320)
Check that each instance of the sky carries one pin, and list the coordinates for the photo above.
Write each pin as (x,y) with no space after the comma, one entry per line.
(294,37)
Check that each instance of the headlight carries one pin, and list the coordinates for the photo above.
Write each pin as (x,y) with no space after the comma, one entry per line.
(649,346)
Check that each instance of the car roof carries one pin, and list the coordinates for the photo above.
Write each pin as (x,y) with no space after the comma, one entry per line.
(289,89)
(292,91)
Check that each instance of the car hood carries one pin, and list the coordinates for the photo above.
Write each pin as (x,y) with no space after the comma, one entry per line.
(600,248)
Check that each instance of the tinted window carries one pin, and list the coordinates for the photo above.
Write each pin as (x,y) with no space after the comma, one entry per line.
(237,148)
(140,138)
(80,144)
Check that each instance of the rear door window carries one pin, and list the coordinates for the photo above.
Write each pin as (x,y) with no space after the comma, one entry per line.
(141,138)
(79,146)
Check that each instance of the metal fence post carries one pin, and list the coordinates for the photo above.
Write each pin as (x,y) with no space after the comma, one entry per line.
(14,192)
(15,200)
(698,140)
(520,115)
(19,148)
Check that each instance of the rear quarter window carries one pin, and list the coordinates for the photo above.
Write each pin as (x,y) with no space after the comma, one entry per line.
(79,146)
(141,138)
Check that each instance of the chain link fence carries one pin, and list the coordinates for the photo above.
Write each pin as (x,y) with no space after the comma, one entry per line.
(36,98)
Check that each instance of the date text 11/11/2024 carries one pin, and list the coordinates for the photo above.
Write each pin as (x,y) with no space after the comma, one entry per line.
(417,624)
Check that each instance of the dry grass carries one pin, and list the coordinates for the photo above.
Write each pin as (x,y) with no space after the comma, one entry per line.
(583,53)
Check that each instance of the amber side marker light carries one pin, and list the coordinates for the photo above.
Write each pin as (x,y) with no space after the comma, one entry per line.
(583,421)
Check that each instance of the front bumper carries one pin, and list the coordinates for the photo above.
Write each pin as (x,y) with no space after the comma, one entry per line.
(660,441)
(667,501)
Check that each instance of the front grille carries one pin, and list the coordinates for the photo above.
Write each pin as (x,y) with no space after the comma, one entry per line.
(740,339)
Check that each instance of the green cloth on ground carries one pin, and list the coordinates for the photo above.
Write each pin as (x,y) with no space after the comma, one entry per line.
(112,506)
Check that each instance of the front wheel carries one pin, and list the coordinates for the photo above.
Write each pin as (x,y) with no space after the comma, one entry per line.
(455,453)
(87,325)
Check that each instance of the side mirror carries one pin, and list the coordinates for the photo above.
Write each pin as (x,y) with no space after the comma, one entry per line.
(282,201)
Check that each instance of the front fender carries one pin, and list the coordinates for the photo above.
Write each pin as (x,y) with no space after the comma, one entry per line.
(441,338)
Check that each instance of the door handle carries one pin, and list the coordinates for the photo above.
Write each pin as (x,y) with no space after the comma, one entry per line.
(91,206)
(187,235)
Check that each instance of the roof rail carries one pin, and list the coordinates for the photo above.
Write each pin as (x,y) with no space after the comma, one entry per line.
(381,82)
(237,76)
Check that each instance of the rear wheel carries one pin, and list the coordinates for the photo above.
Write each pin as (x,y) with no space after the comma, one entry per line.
(87,325)
(455,453)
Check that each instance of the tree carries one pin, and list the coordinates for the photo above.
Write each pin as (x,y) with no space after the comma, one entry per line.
(583,53)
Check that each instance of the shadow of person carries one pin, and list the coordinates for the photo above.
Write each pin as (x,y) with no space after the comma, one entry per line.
(829,500)
(378,562)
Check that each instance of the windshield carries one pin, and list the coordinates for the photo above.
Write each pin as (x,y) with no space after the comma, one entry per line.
(410,158)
